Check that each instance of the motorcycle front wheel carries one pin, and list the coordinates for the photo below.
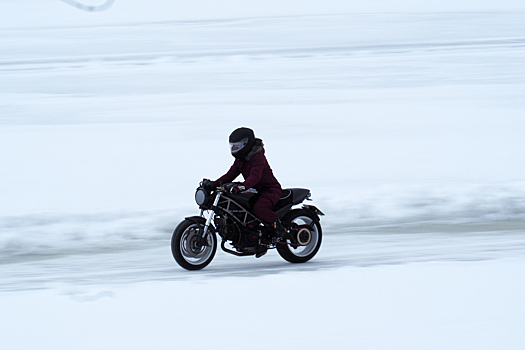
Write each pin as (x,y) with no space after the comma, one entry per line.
(300,254)
(187,249)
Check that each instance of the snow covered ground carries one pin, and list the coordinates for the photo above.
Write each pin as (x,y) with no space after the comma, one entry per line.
(405,119)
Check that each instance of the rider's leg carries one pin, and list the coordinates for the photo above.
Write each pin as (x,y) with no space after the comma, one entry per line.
(263,210)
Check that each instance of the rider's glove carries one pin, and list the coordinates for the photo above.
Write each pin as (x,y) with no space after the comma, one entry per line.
(209,185)
(236,188)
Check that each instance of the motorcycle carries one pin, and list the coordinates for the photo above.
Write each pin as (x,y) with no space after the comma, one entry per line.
(194,241)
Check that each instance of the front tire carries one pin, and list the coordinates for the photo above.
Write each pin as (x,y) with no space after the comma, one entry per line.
(301,254)
(186,249)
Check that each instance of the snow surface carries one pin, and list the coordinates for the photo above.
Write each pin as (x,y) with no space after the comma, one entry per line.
(404,118)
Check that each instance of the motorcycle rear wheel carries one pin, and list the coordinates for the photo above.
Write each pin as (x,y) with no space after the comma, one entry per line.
(301,254)
(186,249)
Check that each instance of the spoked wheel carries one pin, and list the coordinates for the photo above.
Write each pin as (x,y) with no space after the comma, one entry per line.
(306,237)
(188,249)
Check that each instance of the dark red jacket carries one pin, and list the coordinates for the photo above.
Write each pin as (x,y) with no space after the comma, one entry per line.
(255,170)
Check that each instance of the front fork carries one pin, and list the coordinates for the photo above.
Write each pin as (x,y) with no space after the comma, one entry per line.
(210,218)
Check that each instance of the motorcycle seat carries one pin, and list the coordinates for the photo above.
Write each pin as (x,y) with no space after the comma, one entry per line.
(289,197)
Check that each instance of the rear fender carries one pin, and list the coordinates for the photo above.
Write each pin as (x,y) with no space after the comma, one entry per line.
(314,210)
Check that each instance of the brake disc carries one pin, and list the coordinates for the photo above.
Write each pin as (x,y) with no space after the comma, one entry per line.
(194,249)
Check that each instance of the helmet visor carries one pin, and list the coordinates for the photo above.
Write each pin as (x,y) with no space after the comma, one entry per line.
(237,146)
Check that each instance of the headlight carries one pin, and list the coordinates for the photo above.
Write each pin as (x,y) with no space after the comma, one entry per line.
(201,196)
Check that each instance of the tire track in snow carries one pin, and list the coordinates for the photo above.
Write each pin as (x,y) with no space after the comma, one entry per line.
(342,50)
(117,254)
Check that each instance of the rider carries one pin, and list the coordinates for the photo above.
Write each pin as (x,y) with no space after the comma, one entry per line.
(251,162)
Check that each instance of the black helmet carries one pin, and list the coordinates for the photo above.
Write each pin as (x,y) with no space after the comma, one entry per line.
(241,142)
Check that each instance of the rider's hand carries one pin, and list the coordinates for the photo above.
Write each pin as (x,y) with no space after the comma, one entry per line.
(209,185)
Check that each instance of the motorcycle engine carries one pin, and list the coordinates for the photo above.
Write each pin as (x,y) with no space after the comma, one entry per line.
(240,237)
(227,229)
(250,238)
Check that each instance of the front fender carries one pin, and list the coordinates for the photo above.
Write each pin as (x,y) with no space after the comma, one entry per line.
(199,220)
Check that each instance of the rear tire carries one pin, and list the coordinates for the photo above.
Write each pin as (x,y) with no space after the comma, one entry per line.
(185,248)
(301,254)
